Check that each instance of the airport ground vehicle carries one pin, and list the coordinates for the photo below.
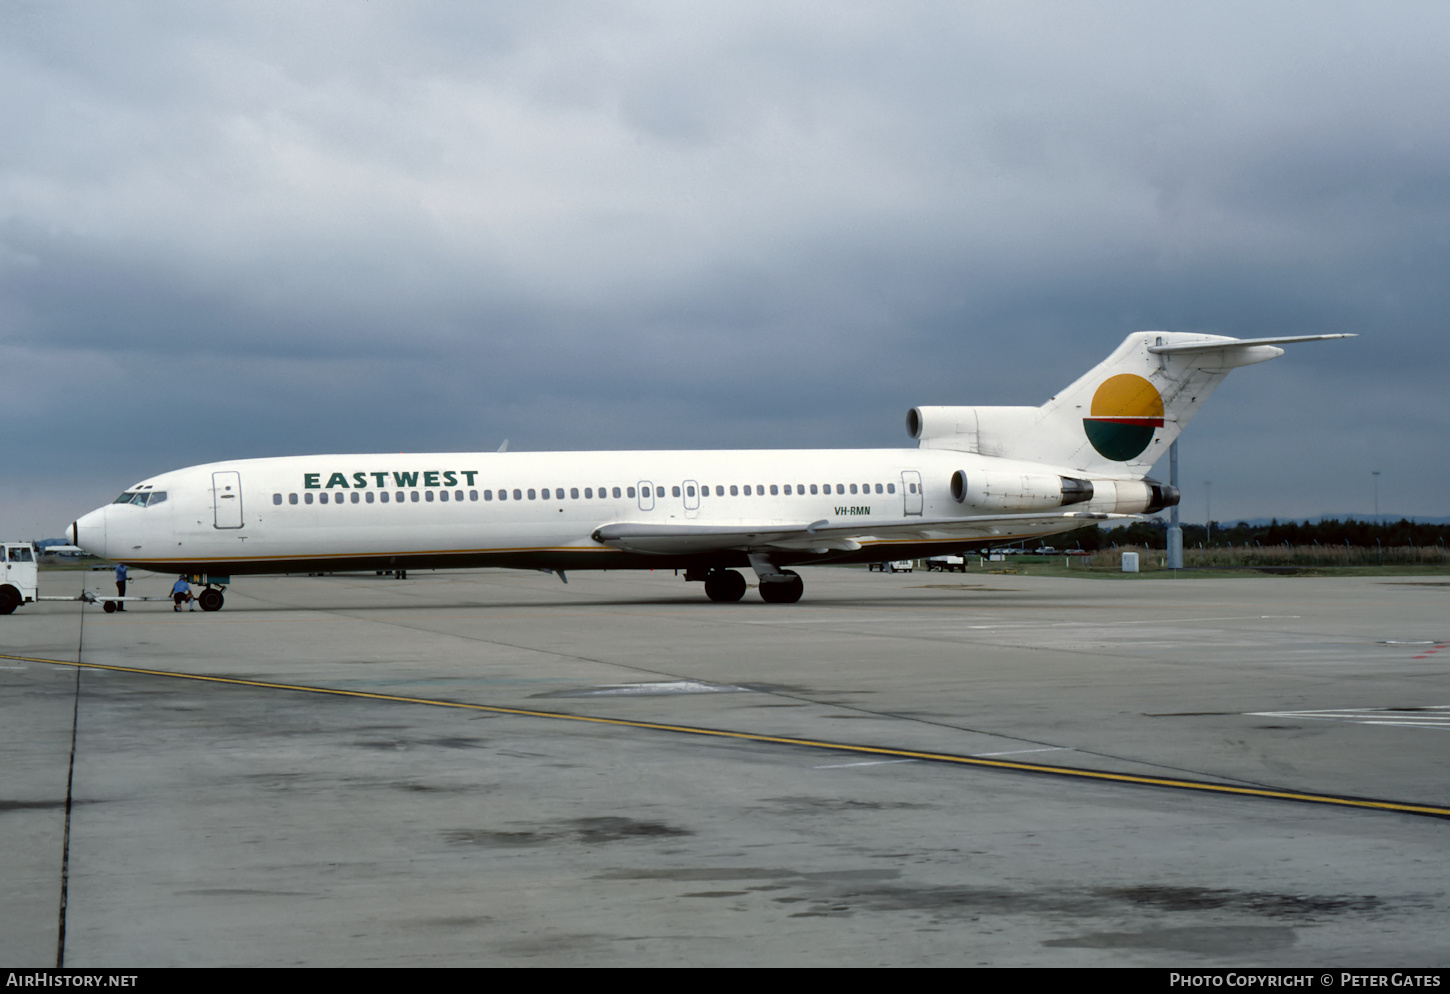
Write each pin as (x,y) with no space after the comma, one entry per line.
(20,577)
(947,564)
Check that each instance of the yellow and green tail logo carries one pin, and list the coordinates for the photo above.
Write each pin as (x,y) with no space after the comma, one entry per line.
(1126,410)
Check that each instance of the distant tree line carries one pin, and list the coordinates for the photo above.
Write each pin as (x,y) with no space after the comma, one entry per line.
(1153,534)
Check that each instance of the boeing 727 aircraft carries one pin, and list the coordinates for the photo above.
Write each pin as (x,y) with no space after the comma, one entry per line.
(979,475)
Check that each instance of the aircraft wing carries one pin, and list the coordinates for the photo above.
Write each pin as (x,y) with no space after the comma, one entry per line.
(820,536)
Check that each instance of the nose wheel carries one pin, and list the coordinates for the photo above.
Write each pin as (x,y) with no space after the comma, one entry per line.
(210,599)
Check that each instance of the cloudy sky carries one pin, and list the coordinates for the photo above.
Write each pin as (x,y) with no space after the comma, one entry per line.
(263,228)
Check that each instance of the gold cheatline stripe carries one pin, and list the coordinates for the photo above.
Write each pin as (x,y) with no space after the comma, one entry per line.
(939,757)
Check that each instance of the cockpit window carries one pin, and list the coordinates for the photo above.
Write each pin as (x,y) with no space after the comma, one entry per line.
(125,498)
(157,496)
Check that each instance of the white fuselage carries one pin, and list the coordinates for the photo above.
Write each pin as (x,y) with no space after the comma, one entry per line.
(542,509)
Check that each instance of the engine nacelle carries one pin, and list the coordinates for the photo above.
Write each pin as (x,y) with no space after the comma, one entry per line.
(1134,496)
(1018,491)
(988,430)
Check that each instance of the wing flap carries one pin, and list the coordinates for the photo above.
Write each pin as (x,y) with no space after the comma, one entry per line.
(820,536)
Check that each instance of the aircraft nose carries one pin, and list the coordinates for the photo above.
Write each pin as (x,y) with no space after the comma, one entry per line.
(89,532)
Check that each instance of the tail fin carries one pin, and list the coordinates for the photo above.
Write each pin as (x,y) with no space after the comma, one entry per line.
(1118,419)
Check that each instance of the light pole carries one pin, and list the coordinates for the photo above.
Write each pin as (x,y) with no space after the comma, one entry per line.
(1376,474)
(1175,531)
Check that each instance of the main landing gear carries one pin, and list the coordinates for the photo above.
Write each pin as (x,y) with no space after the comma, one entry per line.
(785,590)
(776,586)
(724,585)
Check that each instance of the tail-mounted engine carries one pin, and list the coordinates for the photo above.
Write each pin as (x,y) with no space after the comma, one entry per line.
(1025,492)
(1018,491)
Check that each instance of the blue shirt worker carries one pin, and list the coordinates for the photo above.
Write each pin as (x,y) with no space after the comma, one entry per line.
(121,585)
(181,594)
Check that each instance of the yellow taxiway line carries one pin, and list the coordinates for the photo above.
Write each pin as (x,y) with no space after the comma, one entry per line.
(935,757)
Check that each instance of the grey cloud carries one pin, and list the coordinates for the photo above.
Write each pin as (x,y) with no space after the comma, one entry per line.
(410,226)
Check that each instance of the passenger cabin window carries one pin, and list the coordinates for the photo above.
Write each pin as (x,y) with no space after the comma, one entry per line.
(629,490)
(774,490)
(370,497)
(276,498)
(307,498)
(355,498)
(322,498)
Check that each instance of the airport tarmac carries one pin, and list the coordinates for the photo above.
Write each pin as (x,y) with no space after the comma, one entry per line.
(813,802)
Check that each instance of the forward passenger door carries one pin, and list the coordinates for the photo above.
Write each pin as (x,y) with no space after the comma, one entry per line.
(226,491)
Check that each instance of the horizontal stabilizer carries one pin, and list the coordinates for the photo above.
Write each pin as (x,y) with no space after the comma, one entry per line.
(1238,343)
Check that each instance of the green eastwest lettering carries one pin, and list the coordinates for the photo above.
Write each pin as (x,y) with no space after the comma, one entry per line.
(431,478)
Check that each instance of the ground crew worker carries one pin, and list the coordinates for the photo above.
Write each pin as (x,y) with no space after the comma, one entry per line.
(121,585)
(181,593)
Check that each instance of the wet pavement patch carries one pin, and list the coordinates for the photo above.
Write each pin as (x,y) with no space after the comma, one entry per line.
(1206,939)
(588,831)
(1269,905)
